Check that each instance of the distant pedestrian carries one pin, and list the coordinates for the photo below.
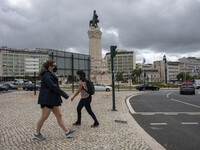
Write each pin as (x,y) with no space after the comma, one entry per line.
(86,99)
(50,99)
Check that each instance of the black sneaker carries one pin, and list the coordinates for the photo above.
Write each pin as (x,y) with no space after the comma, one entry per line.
(39,137)
(94,125)
(71,132)
(76,124)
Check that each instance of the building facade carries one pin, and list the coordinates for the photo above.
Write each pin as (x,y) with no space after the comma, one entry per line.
(69,63)
(12,61)
(190,65)
(173,69)
(149,73)
(124,61)
(160,66)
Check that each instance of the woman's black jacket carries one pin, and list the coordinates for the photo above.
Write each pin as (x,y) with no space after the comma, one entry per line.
(50,92)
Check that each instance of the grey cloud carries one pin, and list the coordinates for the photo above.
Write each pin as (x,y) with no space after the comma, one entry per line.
(162,26)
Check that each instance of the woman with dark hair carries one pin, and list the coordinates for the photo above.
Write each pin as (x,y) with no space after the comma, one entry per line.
(85,99)
(50,99)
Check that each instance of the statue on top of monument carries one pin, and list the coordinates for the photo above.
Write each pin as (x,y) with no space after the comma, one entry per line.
(94,20)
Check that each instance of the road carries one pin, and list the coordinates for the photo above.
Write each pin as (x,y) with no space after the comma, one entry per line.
(170,118)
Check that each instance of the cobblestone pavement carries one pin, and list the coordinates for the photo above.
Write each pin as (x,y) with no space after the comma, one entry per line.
(19,113)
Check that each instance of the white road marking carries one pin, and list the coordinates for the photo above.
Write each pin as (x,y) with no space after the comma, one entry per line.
(194,113)
(189,123)
(185,103)
(132,111)
(158,124)
(168,94)
(156,128)
(147,114)
(156,113)
(166,113)
(171,113)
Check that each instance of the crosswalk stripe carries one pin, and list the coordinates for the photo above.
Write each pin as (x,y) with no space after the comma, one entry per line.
(189,123)
(158,124)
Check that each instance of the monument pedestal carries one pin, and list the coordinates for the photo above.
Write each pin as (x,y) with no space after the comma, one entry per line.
(99,71)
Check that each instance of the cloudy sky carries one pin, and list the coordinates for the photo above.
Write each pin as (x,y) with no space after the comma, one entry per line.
(151,28)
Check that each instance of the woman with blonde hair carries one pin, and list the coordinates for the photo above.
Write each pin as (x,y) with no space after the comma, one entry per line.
(50,99)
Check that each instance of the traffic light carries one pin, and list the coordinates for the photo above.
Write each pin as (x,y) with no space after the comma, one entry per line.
(113,51)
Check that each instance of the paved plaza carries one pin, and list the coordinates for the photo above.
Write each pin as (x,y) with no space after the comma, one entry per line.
(19,113)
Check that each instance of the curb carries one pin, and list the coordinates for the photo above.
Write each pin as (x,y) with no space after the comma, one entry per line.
(154,145)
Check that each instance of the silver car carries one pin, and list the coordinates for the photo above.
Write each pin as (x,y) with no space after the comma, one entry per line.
(187,88)
(101,87)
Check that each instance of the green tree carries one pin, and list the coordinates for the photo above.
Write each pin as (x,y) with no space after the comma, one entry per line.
(119,76)
(29,78)
(181,76)
(71,78)
(196,77)
(136,73)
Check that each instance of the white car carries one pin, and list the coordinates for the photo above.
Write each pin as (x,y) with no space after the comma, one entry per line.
(101,87)
(196,86)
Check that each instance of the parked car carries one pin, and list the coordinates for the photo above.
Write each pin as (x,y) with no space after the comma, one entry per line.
(11,86)
(196,86)
(101,87)
(19,82)
(3,88)
(147,87)
(12,82)
(30,87)
(28,82)
(187,88)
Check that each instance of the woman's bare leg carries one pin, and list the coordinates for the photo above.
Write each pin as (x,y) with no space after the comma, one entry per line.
(45,114)
(57,112)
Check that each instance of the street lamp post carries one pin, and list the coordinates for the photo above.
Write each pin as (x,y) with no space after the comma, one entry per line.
(113,53)
(130,81)
(184,74)
(165,61)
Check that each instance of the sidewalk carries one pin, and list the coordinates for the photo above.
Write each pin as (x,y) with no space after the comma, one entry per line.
(19,113)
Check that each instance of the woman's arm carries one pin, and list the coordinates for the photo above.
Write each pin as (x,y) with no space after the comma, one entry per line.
(48,79)
(77,92)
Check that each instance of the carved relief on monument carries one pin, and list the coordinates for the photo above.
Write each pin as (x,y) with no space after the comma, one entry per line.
(94,33)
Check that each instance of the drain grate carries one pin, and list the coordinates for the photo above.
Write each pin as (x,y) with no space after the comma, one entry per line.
(121,121)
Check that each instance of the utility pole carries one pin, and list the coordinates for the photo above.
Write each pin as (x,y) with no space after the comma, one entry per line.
(72,73)
(113,53)
(34,83)
(165,61)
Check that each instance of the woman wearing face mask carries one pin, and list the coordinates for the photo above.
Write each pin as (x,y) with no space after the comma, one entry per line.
(85,99)
(50,99)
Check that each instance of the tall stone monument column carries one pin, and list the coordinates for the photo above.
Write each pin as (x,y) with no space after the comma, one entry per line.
(94,35)
(99,71)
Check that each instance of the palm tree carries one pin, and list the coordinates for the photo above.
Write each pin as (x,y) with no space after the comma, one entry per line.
(136,73)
